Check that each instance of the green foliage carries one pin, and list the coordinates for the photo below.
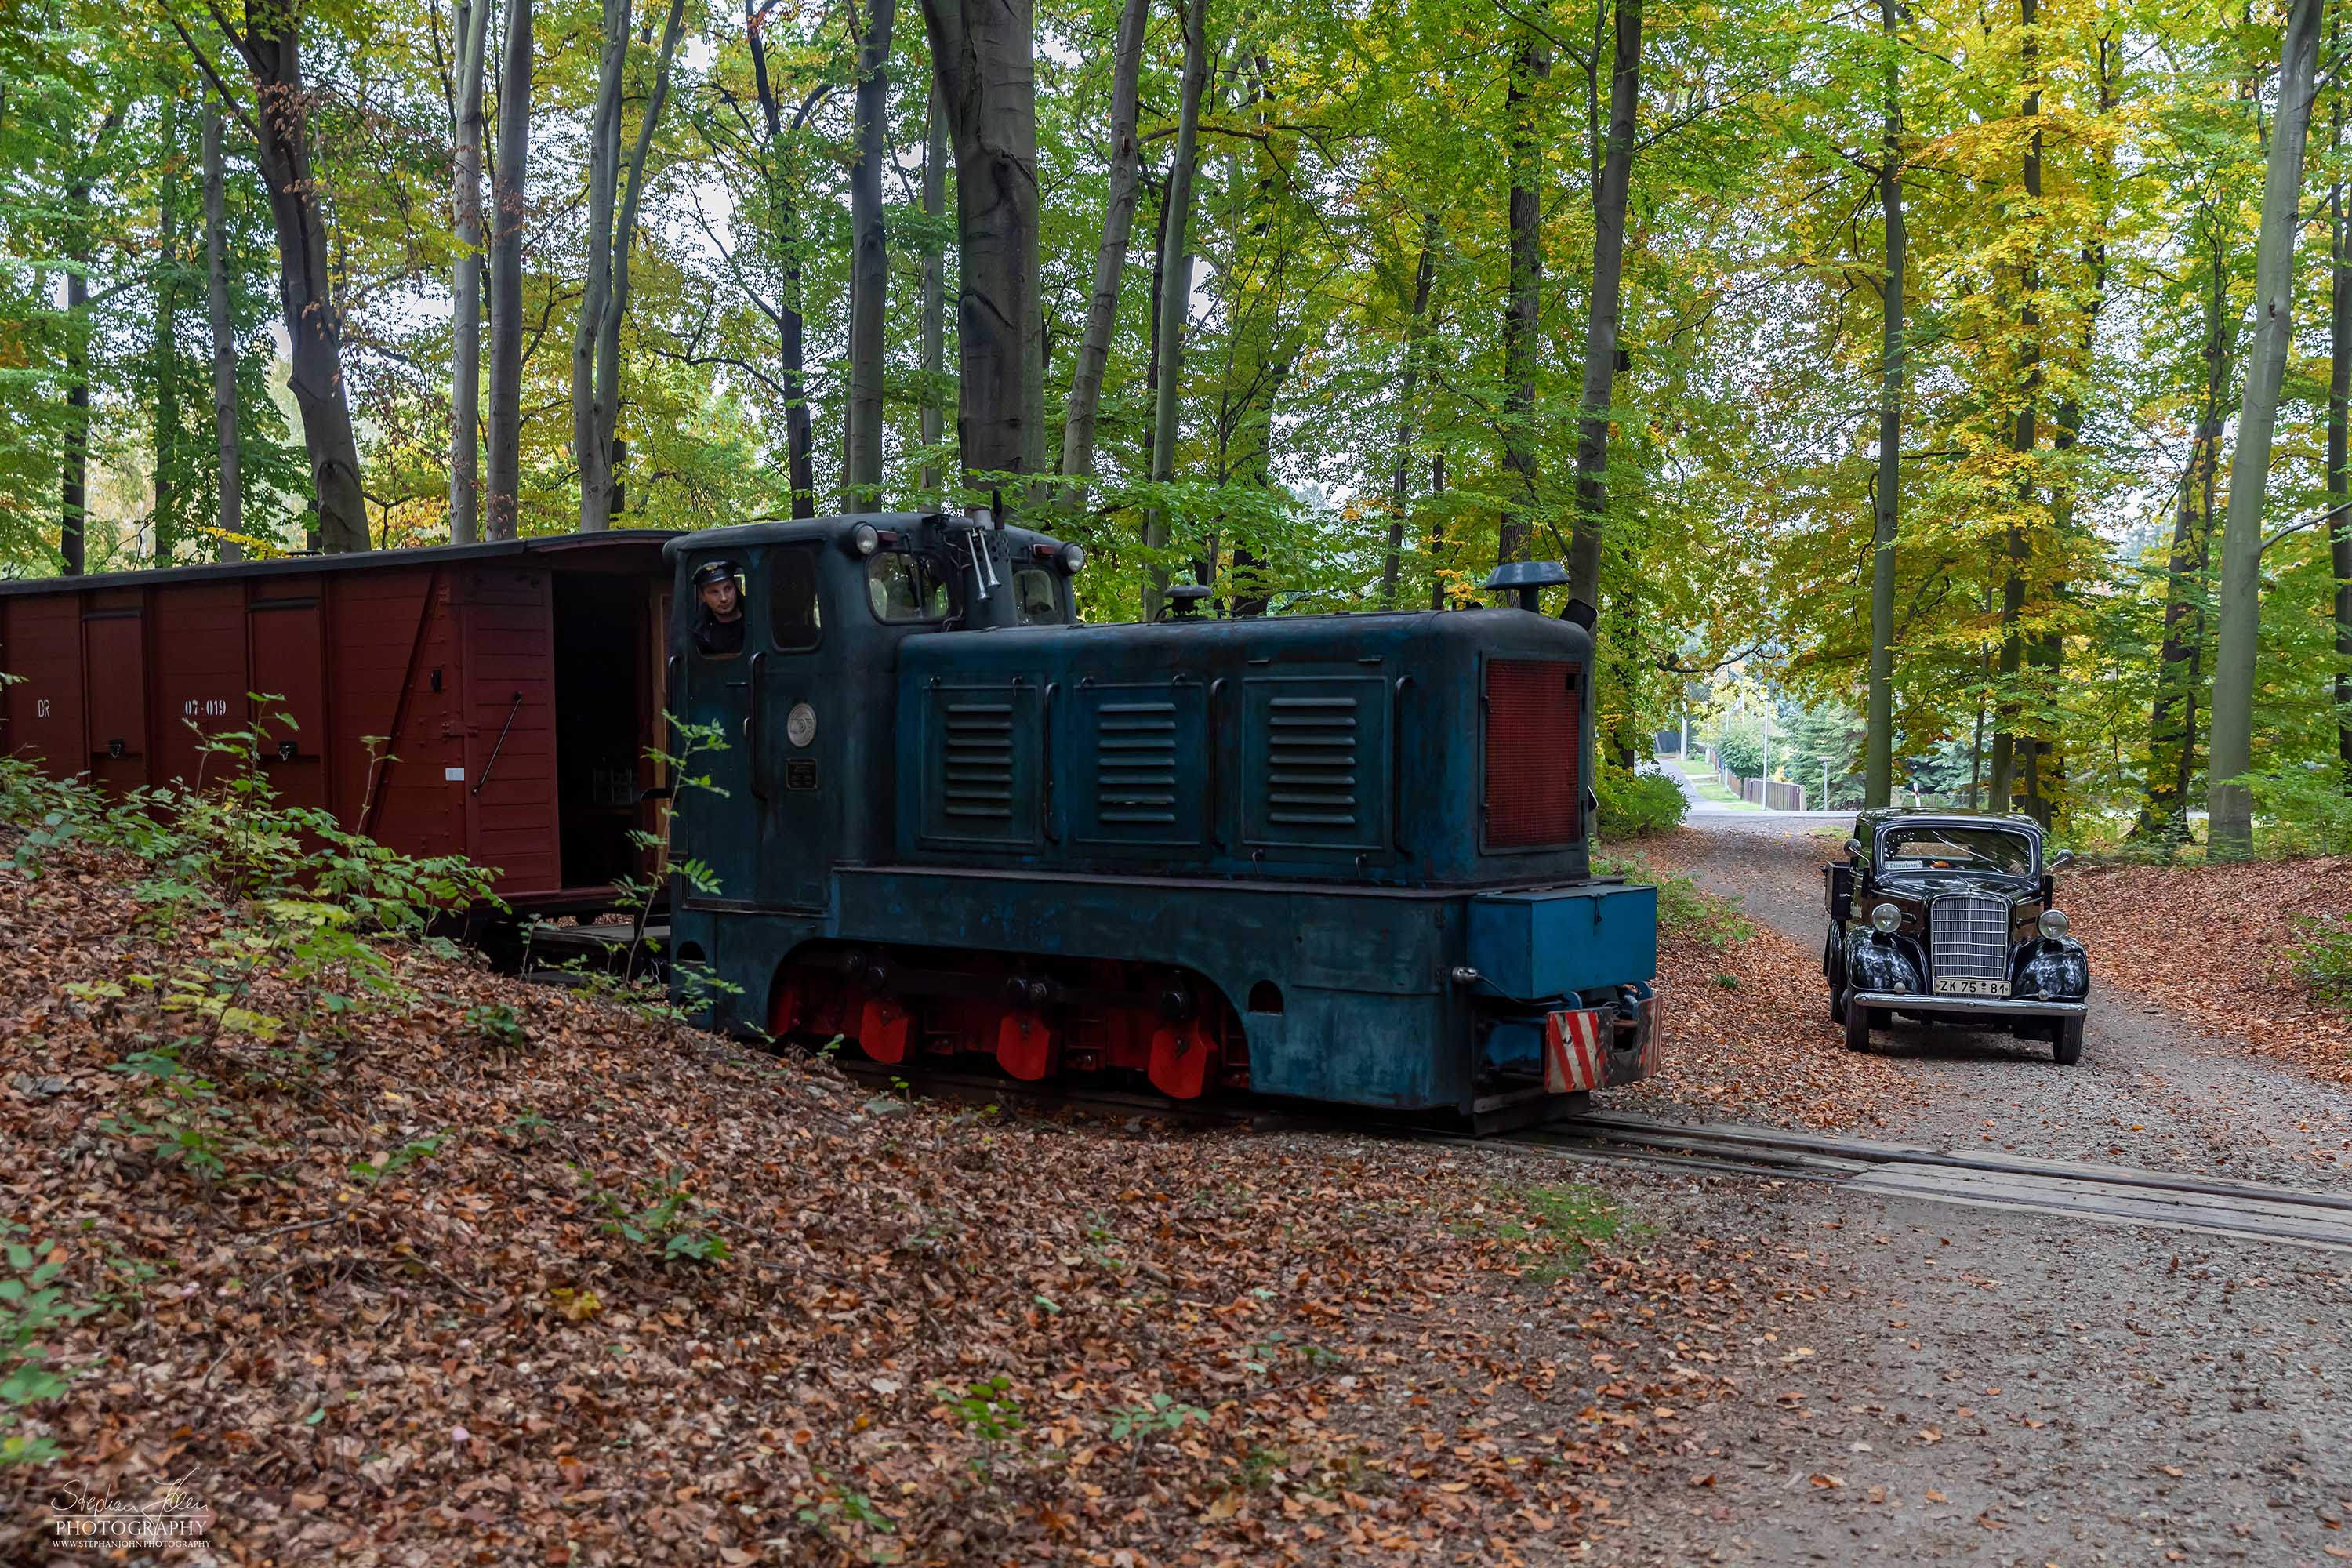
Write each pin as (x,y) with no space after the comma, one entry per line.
(1685,909)
(2303,810)
(659,1220)
(2323,960)
(1159,1417)
(497,1024)
(1636,806)
(372,1173)
(35,1304)
(1740,745)
(987,1409)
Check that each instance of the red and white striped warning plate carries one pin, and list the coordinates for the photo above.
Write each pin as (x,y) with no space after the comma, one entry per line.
(1576,1049)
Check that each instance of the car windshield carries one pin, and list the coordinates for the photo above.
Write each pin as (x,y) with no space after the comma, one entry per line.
(1956,848)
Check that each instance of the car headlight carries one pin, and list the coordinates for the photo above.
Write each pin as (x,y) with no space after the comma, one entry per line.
(864,539)
(1074,556)
(2055,924)
(1886,918)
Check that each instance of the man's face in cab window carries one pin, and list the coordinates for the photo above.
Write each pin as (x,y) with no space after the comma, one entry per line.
(723,598)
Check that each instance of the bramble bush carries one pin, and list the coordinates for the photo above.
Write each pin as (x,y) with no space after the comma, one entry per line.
(1637,806)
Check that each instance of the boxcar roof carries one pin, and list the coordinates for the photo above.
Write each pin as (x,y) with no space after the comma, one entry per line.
(645,539)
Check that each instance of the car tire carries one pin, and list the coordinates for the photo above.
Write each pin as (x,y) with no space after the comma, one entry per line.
(1833,966)
(2067,1041)
(1858,1027)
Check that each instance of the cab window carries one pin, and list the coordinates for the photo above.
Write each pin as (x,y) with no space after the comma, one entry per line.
(1035,602)
(794,621)
(903,587)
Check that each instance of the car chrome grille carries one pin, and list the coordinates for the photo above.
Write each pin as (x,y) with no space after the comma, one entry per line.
(1968,938)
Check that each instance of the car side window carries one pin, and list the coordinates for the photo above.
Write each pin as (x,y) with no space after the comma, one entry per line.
(794,624)
(905,587)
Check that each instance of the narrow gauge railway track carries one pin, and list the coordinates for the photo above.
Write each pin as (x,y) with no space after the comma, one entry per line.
(2107,1195)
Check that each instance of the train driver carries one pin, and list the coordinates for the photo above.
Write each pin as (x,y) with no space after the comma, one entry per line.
(718,629)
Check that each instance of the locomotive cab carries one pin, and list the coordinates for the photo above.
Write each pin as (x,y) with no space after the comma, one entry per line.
(1327,856)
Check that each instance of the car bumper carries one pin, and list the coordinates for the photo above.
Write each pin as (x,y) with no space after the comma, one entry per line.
(1968,1007)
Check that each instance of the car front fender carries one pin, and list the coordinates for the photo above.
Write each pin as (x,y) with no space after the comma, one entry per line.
(1873,962)
(2059,971)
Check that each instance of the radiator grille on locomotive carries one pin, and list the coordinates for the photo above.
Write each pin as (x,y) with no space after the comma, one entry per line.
(1968,938)
(1533,732)
(1135,763)
(1313,753)
(979,760)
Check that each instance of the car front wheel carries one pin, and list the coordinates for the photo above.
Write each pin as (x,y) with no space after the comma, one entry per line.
(2067,1041)
(1833,965)
(1857,1025)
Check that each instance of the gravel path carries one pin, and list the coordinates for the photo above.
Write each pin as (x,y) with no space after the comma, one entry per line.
(1977,1387)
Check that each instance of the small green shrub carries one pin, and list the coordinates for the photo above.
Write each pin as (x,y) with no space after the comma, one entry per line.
(2323,960)
(1637,806)
(495,1023)
(659,1220)
(33,1305)
(1685,909)
(2302,811)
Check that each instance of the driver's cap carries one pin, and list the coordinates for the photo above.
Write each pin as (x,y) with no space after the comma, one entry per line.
(712,572)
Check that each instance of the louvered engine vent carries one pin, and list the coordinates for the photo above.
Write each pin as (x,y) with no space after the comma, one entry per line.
(1134,764)
(1533,731)
(1312,776)
(978,761)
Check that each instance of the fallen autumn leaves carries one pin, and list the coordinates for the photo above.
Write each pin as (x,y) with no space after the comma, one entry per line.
(433,1310)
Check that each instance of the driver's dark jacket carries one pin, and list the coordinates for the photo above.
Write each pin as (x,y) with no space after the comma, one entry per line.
(715,638)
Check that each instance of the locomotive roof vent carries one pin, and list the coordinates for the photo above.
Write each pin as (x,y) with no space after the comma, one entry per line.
(1528,579)
(1185,599)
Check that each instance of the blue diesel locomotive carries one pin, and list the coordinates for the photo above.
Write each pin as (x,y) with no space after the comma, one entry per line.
(1338,857)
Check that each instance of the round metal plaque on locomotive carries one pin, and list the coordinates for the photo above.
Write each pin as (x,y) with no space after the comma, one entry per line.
(799,724)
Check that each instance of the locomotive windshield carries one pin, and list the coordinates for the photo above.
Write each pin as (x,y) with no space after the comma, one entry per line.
(907,587)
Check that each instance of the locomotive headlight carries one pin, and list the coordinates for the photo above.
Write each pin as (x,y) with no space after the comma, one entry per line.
(864,539)
(2055,924)
(1073,557)
(1886,918)
(799,724)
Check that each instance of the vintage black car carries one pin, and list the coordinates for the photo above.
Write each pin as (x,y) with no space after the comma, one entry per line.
(1949,917)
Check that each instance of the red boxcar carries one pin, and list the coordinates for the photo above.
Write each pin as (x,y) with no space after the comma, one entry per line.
(489,699)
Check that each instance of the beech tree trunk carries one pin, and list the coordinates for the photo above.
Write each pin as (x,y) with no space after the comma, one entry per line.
(800,456)
(167,343)
(2024,438)
(507,186)
(2172,717)
(869,266)
(1110,258)
(230,507)
(2231,833)
(980,53)
(1878,768)
(1175,291)
(1609,181)
(1524,302)
(596,342)
(2340,401)
(270,46)
(472,22)
(1401,486)
(935,271)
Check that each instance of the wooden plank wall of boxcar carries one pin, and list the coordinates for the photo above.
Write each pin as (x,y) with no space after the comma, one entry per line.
(508,654)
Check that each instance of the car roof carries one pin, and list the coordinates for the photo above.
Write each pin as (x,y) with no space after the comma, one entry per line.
(1888,816)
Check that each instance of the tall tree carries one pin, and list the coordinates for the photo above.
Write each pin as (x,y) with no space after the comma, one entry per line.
(1523,301)
(2025,433)
(933,331)
(2231,832)
(2339,402)
(1110,257)
(869,273)
(1399,488)
(596,341)
(508,179)
(167,339)
(73,480)
(269,43)
(1878,769)
(229,507)
(472,25)
(1611,176)
(783,215)
(980,55)
(1175,294)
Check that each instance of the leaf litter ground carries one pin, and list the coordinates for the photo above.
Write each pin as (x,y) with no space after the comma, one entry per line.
(410,1324)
